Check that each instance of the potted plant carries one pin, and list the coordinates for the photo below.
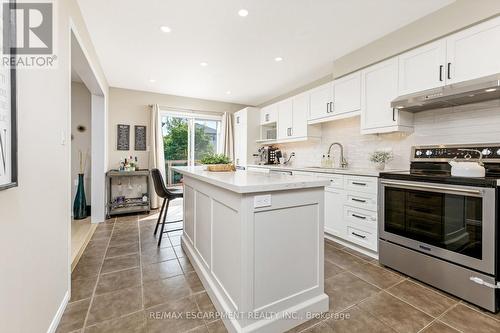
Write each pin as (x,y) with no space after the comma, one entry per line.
(380,158)
(217,162)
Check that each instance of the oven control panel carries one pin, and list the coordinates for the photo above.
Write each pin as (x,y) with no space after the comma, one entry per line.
(490,152)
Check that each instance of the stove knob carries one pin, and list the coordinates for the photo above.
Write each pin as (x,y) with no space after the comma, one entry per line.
(419,153)
(486,152)
(428,152)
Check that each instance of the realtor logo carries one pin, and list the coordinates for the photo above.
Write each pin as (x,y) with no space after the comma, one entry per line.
(33,28)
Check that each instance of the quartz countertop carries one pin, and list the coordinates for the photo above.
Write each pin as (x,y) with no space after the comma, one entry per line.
(243,181)
(347,171)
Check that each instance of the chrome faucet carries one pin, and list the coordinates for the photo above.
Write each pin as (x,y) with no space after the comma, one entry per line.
(343,161)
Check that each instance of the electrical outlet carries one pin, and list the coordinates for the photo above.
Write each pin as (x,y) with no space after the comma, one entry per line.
(262,201)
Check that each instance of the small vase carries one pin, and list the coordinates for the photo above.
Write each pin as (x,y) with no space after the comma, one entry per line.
(380,166)
(80,204)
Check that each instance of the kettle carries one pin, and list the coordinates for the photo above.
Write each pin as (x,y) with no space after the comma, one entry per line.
(467,168)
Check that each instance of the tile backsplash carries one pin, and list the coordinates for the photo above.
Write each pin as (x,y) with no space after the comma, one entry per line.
(474,123)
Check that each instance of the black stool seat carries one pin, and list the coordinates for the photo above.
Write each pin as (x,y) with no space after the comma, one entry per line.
(167,194)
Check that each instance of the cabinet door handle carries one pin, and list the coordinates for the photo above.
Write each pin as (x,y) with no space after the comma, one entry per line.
(358,235)
(358,200)
(449,71)
(328,107)
(359,216)
(237,120)
(393,114)
(360,184)
(331,107)
(441,73)
(290,131)
(267,116)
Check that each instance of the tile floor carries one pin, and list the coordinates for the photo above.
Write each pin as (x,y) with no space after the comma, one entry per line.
(124,283)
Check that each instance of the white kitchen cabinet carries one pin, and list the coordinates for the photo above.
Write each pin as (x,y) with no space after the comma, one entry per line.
(269,114)
(335,200)
(320,101)
(347,95)
(422,68)
(379,86)
(285,119)
(246,132)
(300,113)
(473,52)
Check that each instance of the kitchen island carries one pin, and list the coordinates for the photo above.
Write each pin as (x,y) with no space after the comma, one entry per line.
(256,242)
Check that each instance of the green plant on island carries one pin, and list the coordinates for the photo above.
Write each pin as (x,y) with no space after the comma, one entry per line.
(212,158)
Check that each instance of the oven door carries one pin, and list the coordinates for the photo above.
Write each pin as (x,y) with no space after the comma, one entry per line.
(455,223)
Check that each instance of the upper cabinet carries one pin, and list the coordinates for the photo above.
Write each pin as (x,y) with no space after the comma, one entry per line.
(269,114)
(379,86)
(321,100)
(347,95)
(335,100)
(422,68)
(469,54)
(292,119)
(474,52)
(285,119)
(246,133)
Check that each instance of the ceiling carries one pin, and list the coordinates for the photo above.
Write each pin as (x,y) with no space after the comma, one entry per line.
(240,51)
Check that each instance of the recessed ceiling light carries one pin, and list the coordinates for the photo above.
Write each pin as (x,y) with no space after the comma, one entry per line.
(204,64)
(152,80)
(491,89)
(278,59)
(164,28)
(243,12)
(228,92)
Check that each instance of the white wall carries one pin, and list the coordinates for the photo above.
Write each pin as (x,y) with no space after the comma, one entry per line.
(456,16)
(130,107)
(475,123)
(35,216)
(81,141)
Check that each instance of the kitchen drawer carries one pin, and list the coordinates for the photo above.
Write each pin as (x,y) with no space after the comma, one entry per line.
(367,239)
(336,181)
(362,200)
(360,217)
(361,184)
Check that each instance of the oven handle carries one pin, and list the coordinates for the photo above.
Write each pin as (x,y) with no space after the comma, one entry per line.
(451,190)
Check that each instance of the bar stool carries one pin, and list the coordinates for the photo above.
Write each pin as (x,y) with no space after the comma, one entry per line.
(167,194)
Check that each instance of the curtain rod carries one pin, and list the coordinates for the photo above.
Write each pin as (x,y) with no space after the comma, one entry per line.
(170,108)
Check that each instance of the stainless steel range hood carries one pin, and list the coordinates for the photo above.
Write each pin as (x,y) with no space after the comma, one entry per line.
(473,91)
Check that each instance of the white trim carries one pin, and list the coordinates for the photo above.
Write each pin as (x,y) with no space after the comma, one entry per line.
(59,313)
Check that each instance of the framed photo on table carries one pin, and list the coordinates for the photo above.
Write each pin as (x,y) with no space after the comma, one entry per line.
(8,107)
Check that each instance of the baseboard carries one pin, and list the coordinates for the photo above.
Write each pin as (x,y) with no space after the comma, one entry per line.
(59,314)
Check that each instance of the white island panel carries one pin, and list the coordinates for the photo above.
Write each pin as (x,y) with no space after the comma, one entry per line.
(227,264)
(286,254)
(203,227)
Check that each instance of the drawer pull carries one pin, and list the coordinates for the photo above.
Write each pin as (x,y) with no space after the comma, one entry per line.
(360,184)
(359,216)
(358,235)
(358,200)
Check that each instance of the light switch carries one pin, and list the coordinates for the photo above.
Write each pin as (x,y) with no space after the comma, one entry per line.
(262,201)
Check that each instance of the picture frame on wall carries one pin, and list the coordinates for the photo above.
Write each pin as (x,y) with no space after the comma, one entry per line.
(8,107)
(122,137)
(140,138)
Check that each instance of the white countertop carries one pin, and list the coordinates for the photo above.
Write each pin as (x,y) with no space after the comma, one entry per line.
(242,181)
(348,171)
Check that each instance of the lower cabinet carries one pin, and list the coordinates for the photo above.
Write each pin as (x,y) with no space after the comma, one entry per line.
(334,211)
(351,209)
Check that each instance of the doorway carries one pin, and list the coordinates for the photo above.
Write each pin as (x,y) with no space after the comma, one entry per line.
(187,138)
(88,148)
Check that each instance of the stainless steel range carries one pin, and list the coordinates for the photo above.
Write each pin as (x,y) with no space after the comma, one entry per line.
(442,229)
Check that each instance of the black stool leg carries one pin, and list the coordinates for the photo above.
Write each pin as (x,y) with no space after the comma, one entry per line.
(159,217)
(163,223)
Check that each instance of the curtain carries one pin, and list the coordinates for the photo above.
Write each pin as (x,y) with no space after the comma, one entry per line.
(227,139)
(156,154)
